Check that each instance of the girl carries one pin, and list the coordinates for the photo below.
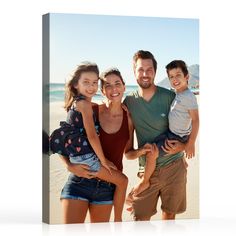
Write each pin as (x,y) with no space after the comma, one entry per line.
(78,138)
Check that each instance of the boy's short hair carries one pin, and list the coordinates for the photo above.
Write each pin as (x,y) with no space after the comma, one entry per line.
(177,64)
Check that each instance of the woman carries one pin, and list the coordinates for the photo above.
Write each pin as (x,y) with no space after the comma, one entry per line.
(116,133)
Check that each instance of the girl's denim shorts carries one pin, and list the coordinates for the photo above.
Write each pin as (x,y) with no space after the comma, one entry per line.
(95,191)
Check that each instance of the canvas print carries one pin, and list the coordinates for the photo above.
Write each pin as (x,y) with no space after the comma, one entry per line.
(120,118)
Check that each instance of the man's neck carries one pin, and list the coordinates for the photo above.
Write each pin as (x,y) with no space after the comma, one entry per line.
(147,93)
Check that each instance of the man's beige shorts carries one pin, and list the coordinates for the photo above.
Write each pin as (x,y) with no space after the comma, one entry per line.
(168,183)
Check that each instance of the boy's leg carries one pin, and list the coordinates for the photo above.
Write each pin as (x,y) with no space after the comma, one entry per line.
(144,204)
(149,169)
(121,182)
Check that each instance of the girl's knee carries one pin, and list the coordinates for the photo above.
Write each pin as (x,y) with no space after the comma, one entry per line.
(123,181)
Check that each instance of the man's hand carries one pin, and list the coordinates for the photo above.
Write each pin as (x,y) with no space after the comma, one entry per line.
(81,170)
(173,146)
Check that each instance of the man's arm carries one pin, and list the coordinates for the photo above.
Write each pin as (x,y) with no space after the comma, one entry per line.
(173,146)
(130,152)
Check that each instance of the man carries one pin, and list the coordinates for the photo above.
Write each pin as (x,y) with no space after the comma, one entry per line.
(149,108)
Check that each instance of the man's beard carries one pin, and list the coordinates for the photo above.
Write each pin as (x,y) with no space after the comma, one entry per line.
(144,85)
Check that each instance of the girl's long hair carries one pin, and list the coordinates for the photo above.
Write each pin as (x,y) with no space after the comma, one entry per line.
(70,90)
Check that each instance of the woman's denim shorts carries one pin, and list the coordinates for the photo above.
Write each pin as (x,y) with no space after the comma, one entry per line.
(95,191)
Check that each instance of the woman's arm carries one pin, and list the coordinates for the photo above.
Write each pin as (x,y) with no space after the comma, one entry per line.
(79,170)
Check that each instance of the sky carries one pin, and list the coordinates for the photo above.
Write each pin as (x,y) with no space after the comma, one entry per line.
(111,41)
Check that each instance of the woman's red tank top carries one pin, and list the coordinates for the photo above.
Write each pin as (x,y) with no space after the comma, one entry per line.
(113,145)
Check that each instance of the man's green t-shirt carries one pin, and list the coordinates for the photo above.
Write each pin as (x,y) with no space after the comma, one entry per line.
(150,119)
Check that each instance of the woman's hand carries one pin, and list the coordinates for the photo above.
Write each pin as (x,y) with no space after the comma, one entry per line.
(81,170)
(106,165)
(111,165)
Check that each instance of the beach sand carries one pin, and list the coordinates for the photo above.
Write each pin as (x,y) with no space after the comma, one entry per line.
(59,174)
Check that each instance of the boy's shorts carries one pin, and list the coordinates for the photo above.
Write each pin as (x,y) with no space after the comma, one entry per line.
(168,183)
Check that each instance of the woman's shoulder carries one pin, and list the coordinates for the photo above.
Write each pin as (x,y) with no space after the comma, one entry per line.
(127,114)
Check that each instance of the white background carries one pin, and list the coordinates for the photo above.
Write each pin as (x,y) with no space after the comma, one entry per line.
(20,136)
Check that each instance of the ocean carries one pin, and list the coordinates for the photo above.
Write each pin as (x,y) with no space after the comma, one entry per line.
(57,92)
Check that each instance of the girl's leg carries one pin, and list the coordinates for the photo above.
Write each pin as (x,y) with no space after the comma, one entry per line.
(121,182)
(74,211)
(100,213)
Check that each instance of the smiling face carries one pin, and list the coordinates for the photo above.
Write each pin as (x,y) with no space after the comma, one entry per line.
(87,84)
(145,73)
(113,88)
(178,80)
